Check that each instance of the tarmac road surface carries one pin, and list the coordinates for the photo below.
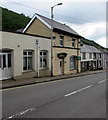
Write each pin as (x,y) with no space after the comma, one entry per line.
(79,97)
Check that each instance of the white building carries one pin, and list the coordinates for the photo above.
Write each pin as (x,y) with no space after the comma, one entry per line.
(91,58)
(24,56)
(104,58)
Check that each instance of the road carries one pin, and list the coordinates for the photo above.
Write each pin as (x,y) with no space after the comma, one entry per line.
(79,97)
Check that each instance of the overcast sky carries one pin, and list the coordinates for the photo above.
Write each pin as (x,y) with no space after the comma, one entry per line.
(86,17)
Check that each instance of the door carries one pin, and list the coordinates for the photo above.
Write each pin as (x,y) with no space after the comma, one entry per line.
(88,64)
(60,66)
(5,66)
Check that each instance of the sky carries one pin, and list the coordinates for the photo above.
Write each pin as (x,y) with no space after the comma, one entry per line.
(86,17)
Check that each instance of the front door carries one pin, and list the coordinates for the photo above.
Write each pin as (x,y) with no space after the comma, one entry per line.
(60,66)
(5,66)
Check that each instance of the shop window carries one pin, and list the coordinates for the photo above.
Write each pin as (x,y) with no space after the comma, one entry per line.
(94,64)
(72,62)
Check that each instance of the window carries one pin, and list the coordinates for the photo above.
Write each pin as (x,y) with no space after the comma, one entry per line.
(100,63)
(9,60)
(94,55)
(90,55)
(27,60)
(99,55)
(4,61)
(94,64)
(43,59)
(0,61)
(61,40)
(83,64)
(72,62)
(73,43)
(84,55)
(89,63)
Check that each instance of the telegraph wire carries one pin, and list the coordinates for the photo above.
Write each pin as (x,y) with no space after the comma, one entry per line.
(62,16)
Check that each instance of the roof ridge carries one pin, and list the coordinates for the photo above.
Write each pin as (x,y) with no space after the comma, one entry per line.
(53,20)
(57,26)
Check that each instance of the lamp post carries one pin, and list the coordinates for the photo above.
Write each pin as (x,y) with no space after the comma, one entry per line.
(37,45)
(52,16)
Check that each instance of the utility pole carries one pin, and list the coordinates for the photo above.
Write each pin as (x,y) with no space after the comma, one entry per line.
(52,16)
(37,45)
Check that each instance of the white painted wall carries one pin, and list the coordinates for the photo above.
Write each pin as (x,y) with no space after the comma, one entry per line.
(87,57)
(25,42)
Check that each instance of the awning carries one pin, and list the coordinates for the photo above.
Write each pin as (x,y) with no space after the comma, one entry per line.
(62,55)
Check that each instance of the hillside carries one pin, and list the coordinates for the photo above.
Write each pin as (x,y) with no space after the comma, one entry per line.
(91,42)
(12,20)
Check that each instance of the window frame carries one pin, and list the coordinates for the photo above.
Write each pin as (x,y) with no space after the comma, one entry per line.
(94,64)
(5,60)
(100,55)
(73,43)
(83,56)
(42,57)
(100,63)
(90,55)
(94,55)
(72,62)
(28,56)
(61,40)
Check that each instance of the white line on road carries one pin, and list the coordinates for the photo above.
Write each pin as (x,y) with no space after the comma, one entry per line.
(102,81)
(78,90)
(74,92)
(71,93)
(32,109)
(19,114)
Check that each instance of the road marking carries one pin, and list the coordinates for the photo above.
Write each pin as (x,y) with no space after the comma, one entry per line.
(85,88)
(19,114)
(32,109)
(102,81)
(72,93)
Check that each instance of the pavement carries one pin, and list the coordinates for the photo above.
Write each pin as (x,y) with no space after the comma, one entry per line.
(15,83)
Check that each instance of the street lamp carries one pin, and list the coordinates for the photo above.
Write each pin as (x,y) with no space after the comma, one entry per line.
(52,16)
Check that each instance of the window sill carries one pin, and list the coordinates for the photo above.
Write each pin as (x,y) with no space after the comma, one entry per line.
(72,69)
(27,71)
(44,68)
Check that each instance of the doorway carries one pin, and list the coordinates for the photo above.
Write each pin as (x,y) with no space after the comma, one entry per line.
(5,66)
(61,66)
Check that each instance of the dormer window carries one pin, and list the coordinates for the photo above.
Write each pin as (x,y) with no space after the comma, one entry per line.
(61,40)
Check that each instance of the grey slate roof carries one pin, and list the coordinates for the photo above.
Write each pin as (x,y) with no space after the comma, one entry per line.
(103,51)
(85,49)
(93,49)
(89,49)
(59,26)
